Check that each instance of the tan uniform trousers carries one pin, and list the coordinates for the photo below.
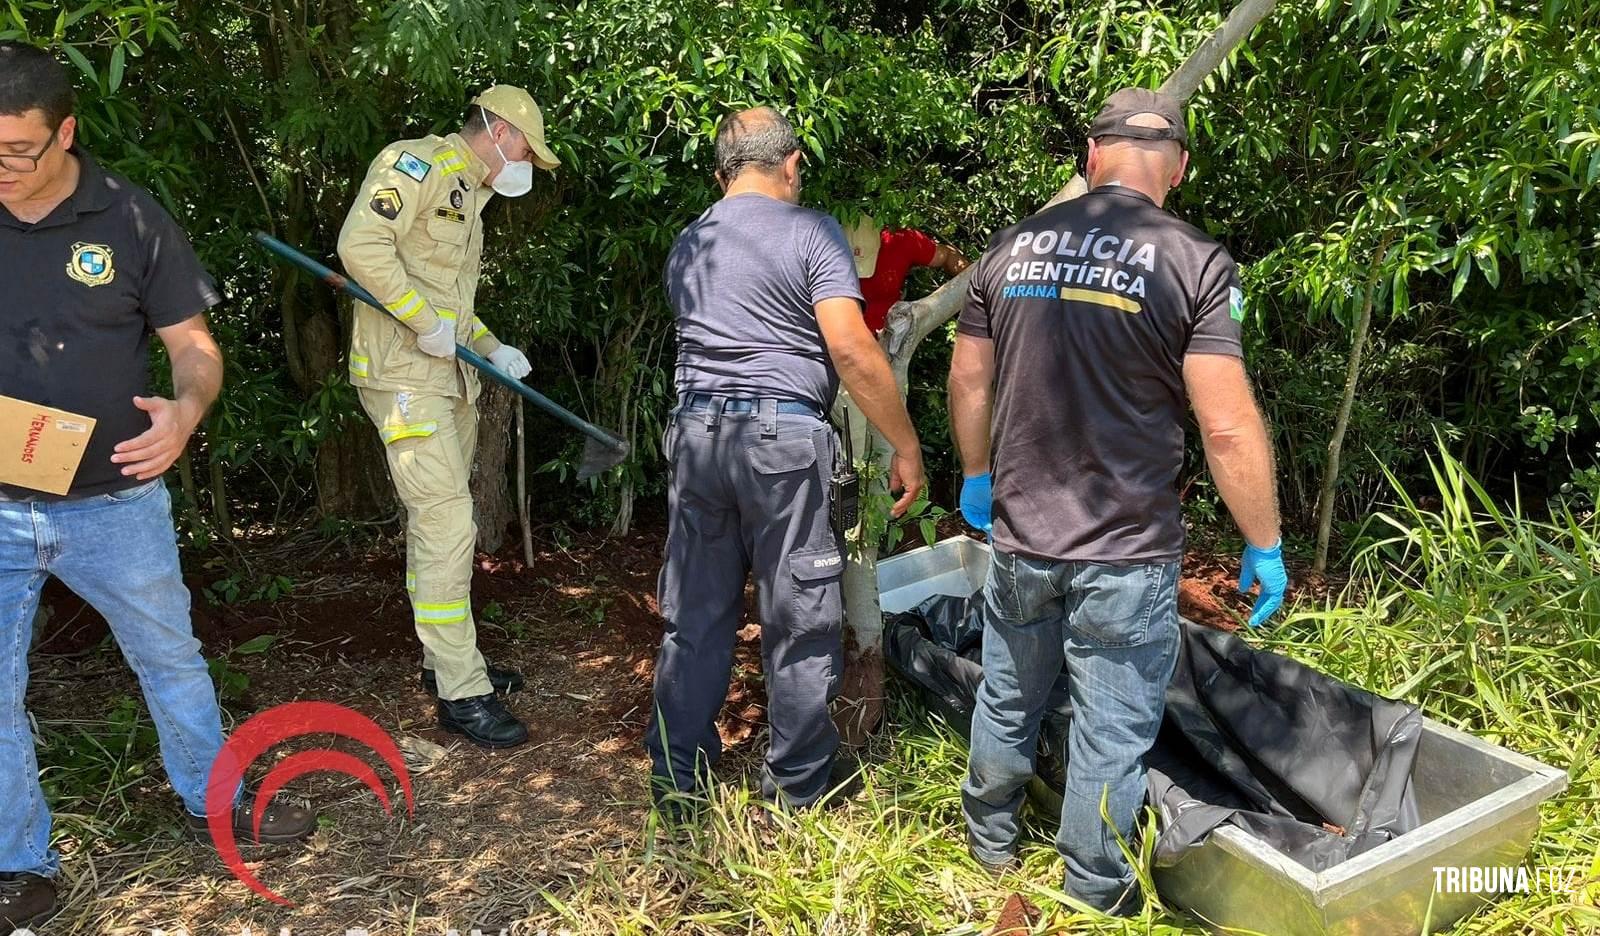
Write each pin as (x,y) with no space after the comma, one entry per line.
(429,441)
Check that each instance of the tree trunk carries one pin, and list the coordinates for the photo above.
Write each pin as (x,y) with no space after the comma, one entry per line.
(861,696)
(1341,422)
(191,496)
(523,520)
(219,500)
(492,506)
(1217,47)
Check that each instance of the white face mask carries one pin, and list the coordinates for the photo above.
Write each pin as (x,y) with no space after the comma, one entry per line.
(515,179)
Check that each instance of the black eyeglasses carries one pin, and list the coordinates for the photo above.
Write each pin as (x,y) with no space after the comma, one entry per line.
(16,162)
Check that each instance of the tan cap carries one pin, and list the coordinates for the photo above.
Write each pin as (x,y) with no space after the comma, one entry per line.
(515,106)
(865,239)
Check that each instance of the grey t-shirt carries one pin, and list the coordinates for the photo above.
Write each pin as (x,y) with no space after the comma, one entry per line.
(1092,306)
(743,280)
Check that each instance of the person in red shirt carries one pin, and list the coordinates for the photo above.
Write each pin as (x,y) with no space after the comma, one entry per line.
(885,256)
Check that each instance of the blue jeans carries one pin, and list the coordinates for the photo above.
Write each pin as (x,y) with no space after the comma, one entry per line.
(119,552)
(1115,630)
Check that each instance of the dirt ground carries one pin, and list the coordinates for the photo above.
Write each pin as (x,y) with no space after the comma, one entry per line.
(491,830)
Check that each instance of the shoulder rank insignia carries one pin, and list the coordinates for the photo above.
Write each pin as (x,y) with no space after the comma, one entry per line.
(386,202)
(413,166)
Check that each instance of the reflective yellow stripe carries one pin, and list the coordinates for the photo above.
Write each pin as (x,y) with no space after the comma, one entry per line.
(478,328)
(1097,297)
(449,612)
(395,433)
(411,581)
(358,365)
(407,306)
(445,314)
(449,162)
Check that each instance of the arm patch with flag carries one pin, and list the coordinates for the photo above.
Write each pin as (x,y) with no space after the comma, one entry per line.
(413,166)
(1236,303)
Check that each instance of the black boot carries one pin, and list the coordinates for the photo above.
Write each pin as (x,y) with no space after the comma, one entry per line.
(25,899)
(504,681)
(484,720)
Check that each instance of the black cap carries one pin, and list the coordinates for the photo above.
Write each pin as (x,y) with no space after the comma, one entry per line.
(1141,114)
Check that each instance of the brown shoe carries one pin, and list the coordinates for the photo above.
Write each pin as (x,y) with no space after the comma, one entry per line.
(25,899)
(283,822)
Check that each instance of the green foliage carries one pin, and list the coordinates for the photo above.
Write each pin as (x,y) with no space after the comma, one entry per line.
(1464,135)
(231,682)
(97,765)
(1486,618)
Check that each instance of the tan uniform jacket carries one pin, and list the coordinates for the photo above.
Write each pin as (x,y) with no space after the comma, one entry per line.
(414,239)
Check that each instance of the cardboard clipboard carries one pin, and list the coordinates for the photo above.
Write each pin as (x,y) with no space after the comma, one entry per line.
(41,447)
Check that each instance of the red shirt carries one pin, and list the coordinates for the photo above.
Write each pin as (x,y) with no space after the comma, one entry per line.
(900,251)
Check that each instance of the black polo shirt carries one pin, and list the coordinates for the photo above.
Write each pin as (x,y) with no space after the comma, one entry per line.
(84,290)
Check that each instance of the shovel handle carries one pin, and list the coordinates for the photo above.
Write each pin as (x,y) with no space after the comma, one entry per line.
(350,287)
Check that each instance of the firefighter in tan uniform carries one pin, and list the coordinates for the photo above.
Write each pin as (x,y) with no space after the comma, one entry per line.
(414,239)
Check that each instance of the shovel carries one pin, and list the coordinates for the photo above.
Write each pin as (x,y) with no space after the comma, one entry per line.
(602,451)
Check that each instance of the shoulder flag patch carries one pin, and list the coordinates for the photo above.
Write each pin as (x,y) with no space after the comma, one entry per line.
(1236,303)
(386,202)
(412,166)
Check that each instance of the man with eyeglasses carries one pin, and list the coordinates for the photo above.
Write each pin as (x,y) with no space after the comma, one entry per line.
(414,237)
(768,309)
(93,265)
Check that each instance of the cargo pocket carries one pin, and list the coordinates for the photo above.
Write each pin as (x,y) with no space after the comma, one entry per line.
(818,605)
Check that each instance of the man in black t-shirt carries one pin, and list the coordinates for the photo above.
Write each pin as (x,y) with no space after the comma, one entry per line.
(92,266)
(1088,329)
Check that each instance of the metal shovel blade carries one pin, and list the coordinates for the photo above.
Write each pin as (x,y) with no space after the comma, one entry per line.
(600,457)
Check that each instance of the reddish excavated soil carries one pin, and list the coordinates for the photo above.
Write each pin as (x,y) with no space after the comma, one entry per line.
(1017,918)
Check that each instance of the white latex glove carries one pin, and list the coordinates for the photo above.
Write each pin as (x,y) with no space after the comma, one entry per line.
(441,342)
(511,361)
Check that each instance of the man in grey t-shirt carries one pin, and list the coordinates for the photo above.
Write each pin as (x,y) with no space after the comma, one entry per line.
(1088,328)
(769,323)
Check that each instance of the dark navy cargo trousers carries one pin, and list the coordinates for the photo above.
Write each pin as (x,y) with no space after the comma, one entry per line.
(748,492)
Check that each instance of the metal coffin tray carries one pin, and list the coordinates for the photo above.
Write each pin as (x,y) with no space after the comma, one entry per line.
(1479,804)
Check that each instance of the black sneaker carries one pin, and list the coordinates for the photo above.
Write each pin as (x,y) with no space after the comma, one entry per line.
(282,822)
(484,720)
(25,899)
(504,681)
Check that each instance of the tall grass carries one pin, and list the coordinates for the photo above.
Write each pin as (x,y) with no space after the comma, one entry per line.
(1488,619)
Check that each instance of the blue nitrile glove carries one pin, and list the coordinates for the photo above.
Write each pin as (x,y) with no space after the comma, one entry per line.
(1264,566)
(977,501)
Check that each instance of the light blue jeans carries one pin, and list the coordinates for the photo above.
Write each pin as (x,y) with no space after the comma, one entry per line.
(1115,630)
(119,552)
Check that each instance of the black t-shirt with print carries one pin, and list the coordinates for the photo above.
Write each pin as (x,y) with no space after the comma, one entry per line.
(85,289)
(1092,305)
